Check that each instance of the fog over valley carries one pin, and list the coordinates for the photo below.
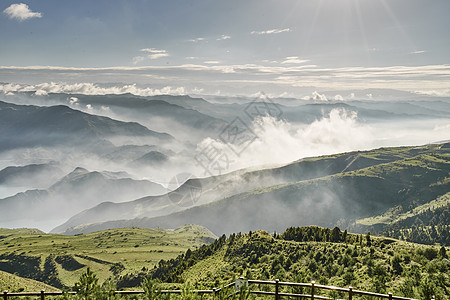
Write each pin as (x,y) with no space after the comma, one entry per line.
(230,115)
(70,159)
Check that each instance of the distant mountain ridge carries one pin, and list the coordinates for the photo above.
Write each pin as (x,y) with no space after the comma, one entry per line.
(30,175)
(30,126)
(365,184)
(76,191)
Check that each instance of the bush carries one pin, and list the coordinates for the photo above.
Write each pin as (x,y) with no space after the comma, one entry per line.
(430,253)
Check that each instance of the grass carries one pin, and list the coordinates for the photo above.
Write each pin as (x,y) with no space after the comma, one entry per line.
(12,283)
(134,248)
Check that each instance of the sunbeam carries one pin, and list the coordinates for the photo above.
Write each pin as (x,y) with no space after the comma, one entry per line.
(399,26)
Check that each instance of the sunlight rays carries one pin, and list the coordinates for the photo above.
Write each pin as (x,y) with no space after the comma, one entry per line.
(399,26)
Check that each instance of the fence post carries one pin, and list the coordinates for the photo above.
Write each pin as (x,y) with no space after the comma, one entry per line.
(42,294)
(350,293)
(312,289)
(5,295)
(390,296)
(277,283)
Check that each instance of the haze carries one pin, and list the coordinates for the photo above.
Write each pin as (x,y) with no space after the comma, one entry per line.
(113,101)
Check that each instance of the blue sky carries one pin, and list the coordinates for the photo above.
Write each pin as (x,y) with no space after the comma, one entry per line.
(209,40)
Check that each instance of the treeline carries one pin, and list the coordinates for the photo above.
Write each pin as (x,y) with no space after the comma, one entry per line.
(427,235)
(318,234)
(328,256)
(429,227)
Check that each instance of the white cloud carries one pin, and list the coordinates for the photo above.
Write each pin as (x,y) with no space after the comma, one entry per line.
(432,78)
(223,37)
(199,39)
(279,141)
(73,100)
(418,52)
(155,53)
(90,89)
(319,97)
(437,93)
(294,60)
(196,90)
(138,59)
(338,98)
(41,93)
(152,54)
(211,62)
(271,31)
(21,12)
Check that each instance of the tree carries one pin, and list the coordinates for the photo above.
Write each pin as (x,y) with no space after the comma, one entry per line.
(87,286)
(427,288)
(442,253)
(151,290)
(336,235)
(368,241)
(407,288)
(396,266)
(430,253)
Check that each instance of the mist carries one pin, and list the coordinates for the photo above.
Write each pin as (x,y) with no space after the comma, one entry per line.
(158,138)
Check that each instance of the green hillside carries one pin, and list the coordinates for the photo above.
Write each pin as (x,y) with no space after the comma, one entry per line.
(59,260)
(395,191)
(330,257)
(13,283)
(240,182)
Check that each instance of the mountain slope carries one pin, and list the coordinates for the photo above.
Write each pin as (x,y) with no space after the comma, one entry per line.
(357,191)
(76,191)
(220,187)
(13,283)
(30,126)
(33,175)
(156,112)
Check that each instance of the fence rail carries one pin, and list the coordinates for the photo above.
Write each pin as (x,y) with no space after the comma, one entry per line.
(312,286)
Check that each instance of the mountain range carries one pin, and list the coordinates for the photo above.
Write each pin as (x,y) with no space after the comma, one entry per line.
(108,161)
(326,191)
(78,190)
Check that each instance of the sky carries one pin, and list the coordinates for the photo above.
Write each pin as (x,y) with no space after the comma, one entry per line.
(284,46)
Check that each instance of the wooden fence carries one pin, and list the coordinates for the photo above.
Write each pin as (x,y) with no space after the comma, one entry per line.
(311,288)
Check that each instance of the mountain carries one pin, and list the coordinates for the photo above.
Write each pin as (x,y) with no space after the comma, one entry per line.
(227,185)
(173,114)
(73,193)
(31,126)
(152,158)
(326,191)
(33,175)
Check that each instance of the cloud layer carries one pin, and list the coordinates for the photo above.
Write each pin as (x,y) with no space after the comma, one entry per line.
(21,12)
(271,31)
(152,54)
(88,89)
(276,79)
(279,142)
